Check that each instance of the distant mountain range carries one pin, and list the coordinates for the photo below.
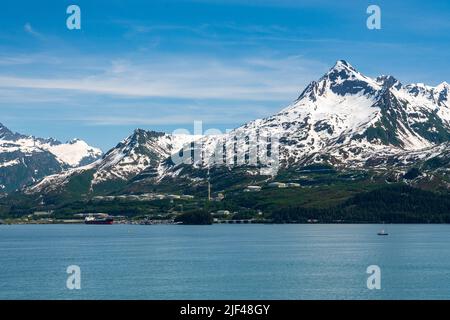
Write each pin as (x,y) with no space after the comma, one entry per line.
(344,120)
(25,159)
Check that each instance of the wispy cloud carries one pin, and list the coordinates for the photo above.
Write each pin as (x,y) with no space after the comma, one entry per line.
(175,119)
(12,61)
(157,92)
(143,113)
(192,77)
(30,30)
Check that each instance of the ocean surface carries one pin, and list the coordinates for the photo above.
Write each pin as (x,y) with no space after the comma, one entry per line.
(224,261)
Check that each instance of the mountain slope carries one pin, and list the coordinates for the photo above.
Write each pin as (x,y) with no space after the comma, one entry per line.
(350,117)
(344,119)
(27,159)
(140,153)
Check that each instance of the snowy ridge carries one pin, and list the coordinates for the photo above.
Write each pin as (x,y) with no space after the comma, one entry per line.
(345,118)
(143,150)
(136,153)
(74,153)
(348,116)
(27,159)
(351,117)
(71,154)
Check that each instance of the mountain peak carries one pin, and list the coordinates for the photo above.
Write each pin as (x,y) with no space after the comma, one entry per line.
(344,79)
(138,138)
(342,64)
(341,69)
(4,129)
(388,81)
(7,134)
(139,130)
(341,79)
(443,86)
(137,133)
(442,93)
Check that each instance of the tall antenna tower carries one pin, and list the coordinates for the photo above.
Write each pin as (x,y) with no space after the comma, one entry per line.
(209,187)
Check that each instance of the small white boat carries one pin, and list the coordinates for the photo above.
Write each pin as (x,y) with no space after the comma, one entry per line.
(382,233)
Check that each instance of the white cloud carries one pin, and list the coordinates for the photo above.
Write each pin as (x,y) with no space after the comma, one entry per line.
(188,77)
(154,91)
(175,119)
(12,61)
(30,30)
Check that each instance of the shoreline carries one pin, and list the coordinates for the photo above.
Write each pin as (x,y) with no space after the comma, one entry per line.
(250,223)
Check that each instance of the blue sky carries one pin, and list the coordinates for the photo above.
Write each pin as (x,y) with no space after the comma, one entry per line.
(163,64)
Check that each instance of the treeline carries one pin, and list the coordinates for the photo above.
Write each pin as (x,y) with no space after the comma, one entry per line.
(195,218)
(393,204)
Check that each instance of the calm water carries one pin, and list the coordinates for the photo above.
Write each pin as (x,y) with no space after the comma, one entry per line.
(224,261)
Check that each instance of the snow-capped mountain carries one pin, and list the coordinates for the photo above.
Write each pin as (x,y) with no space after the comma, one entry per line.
(345,119)
(143,150)
(74,153)
(27,159)
(142,153)
(348,117)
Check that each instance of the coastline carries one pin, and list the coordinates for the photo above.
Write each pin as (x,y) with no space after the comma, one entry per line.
(81,222)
